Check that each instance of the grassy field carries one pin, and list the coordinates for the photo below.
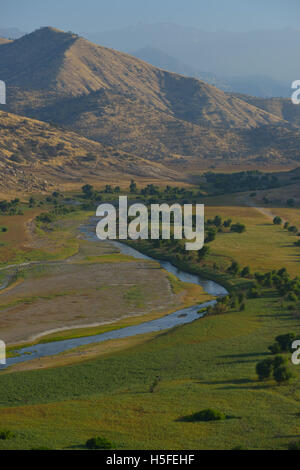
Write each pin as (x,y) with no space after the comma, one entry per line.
(210,363)
(263,247)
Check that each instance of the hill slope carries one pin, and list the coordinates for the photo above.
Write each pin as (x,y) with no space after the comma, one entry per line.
(37,156)
(119,100)
(281,107)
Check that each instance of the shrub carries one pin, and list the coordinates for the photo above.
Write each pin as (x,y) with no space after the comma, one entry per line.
(209,414)
(100,443)
(238,228)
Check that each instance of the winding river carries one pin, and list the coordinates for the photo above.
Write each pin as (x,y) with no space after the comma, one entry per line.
(179,317)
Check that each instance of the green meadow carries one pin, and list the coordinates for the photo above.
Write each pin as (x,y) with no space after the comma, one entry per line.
(210,363)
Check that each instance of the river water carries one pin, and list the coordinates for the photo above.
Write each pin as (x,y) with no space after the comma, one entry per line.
(180,317)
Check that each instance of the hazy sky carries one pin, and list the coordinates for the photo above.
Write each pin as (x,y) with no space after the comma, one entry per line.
(99,15)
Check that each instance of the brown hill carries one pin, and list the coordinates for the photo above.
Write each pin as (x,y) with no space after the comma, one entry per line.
(281,107)
(122,101)
(37,156)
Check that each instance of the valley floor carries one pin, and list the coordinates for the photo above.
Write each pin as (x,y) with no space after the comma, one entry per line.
(207,364)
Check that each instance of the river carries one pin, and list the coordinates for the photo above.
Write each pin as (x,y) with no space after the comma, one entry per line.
(180,317)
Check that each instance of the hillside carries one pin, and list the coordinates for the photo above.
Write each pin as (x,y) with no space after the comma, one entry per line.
(281,107)
(36,156)
(119,100)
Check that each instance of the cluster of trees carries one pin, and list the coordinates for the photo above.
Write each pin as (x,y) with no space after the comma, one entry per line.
(283,343)
(280,280)
(51,216)
(221,224)
(233,301)
(287,226)
(234,269)
(242,181)
(10,207)
(274,367)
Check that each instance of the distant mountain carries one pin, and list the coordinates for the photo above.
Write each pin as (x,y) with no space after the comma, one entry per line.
(11,33)
(164,61)
(260,86)
(121,101)
(223,53)
(253,85)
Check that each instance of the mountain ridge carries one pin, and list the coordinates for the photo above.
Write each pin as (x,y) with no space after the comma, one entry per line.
(119,100)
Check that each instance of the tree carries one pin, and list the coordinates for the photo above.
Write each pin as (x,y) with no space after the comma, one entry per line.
(211,235)
(133,187)
(285,341)
(227,223)
(88,190)
(264,369)
(218,221)
(277,220)
(203,252)
(234,268)
(31,202)
(282,374)
(245,271)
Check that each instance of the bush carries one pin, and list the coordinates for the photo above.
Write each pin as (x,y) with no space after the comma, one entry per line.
(100,443)
(238,228)
(209,414)
(6,434)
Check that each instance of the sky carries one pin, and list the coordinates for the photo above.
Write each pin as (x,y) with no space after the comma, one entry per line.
(101,15)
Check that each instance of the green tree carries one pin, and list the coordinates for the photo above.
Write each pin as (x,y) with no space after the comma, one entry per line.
(277,220)
(282,374)
(264,369)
